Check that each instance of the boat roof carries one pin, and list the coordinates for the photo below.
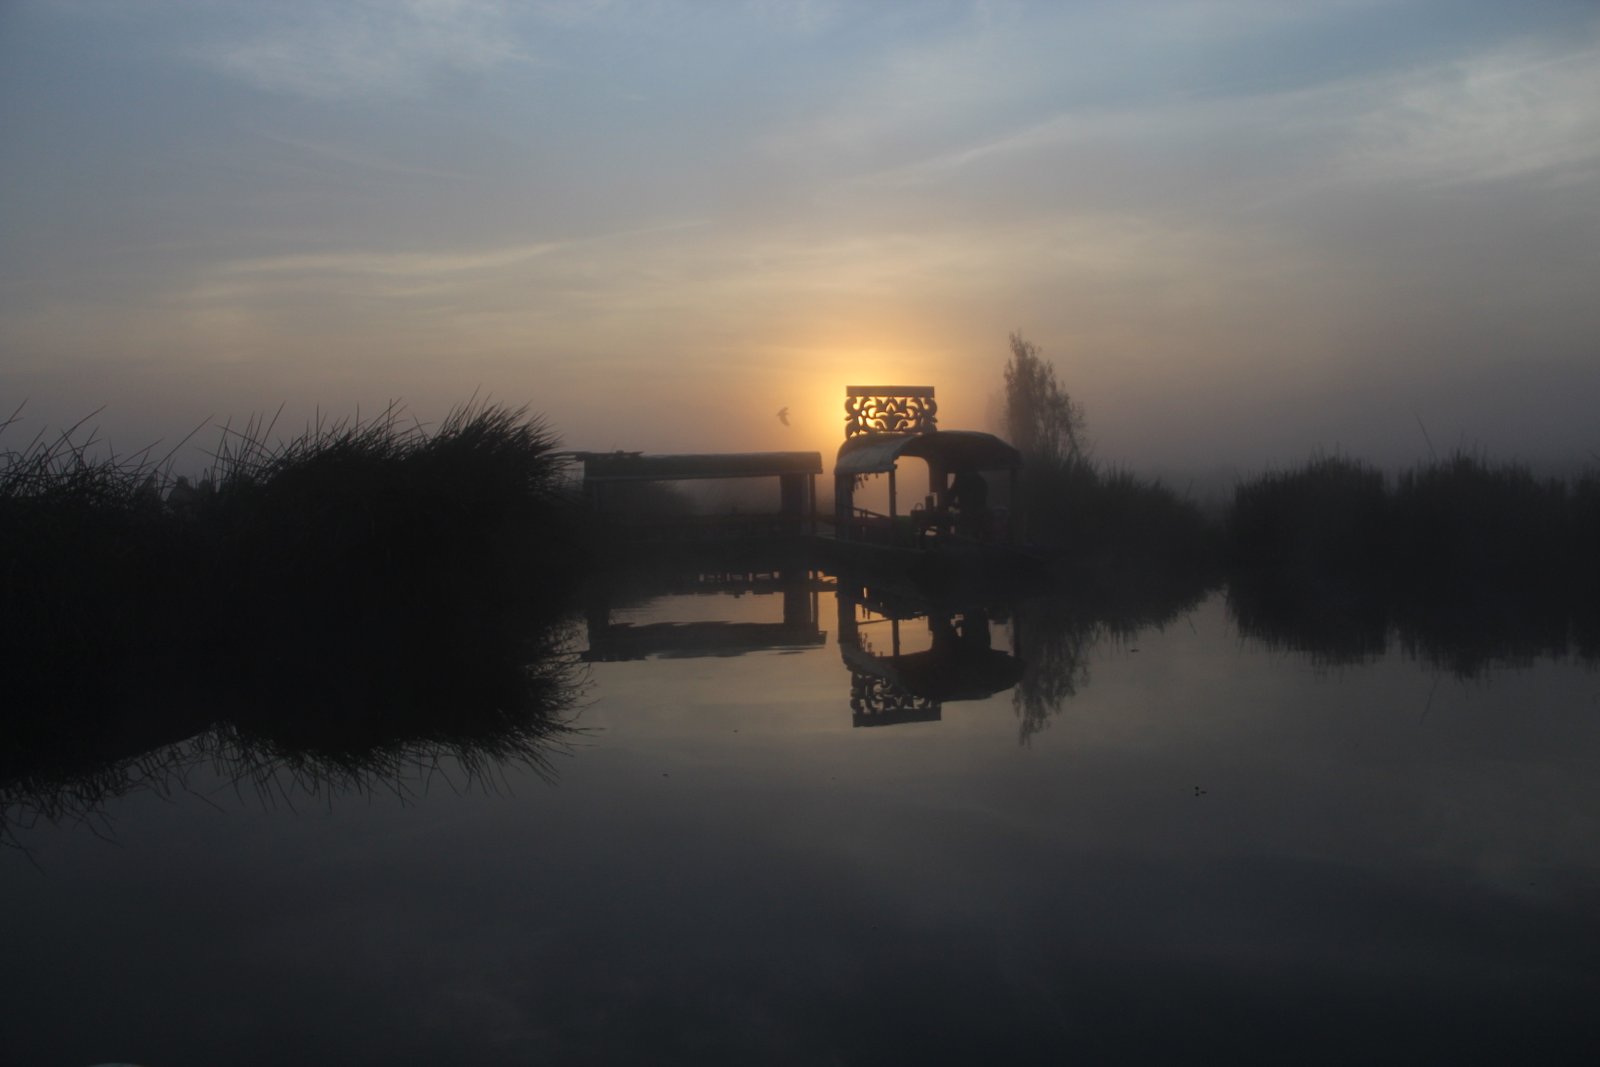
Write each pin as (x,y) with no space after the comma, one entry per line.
(876,453)
(967,675)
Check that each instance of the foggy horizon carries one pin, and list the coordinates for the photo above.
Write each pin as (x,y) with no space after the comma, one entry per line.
(1242,234)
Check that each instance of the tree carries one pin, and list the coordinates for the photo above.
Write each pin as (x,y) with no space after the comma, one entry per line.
(1041,419)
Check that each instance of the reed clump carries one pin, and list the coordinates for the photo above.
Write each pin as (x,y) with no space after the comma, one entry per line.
(1115,531)
(1585,554)
(1307,559)
(82,545)
(360,568)
(1328,518)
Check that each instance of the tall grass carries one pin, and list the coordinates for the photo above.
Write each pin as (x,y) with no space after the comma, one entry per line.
(1113,530)
(83,544)
(1584,536)
(363,568)
(1308,560)
(1327,519)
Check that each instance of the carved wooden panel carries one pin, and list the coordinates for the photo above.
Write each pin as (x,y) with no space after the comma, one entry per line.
(889,409)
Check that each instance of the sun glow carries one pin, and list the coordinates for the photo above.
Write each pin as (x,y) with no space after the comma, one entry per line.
(824,412)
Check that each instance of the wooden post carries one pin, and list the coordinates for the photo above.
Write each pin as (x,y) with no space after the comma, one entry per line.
(893,508)
(844,507)
(792,502)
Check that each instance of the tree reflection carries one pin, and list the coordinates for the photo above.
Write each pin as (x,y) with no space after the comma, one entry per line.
(1058,633)
(1058,643)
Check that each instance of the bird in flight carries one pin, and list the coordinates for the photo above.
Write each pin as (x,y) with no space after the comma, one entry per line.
(783,415)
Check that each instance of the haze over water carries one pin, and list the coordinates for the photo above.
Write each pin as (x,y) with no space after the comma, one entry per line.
(1244,231)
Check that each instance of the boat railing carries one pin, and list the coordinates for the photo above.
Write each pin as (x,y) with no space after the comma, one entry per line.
(865,526)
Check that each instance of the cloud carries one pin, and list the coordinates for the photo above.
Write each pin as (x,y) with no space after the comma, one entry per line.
(1507,114)
(309,266)
(448,286)
(370,49)
(1305,163)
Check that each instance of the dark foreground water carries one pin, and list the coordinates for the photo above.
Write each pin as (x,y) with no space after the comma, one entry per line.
(926,843)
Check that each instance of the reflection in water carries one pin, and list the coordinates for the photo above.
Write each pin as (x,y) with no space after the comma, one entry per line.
(1333,625)
(364,724)
(890,685)
(612,640)
(1468,628)
(1060,632)
(1469,633)
(404,703)
(1058,663)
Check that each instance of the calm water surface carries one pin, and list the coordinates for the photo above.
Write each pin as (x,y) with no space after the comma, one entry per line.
(770,847)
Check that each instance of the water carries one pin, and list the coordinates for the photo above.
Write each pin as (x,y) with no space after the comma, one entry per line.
(1145,842)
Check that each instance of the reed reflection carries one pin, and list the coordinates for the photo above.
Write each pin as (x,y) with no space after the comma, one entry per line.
(1469,630)
(363,722)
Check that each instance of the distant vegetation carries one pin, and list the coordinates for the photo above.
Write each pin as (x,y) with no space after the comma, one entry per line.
(1110,528)
(1465,561)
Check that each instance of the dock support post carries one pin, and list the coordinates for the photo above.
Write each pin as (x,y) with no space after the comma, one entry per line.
(892,506)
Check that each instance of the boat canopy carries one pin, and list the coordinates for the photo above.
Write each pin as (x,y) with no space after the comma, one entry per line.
(972,674)
(876,453)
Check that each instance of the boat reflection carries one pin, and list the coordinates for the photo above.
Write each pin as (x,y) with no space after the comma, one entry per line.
(613,640)
(891,685)
(907,655)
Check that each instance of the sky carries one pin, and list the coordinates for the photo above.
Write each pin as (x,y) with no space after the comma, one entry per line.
(1243,231)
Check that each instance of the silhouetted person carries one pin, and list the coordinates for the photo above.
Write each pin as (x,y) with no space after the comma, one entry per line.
(975,632)
(970,494)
